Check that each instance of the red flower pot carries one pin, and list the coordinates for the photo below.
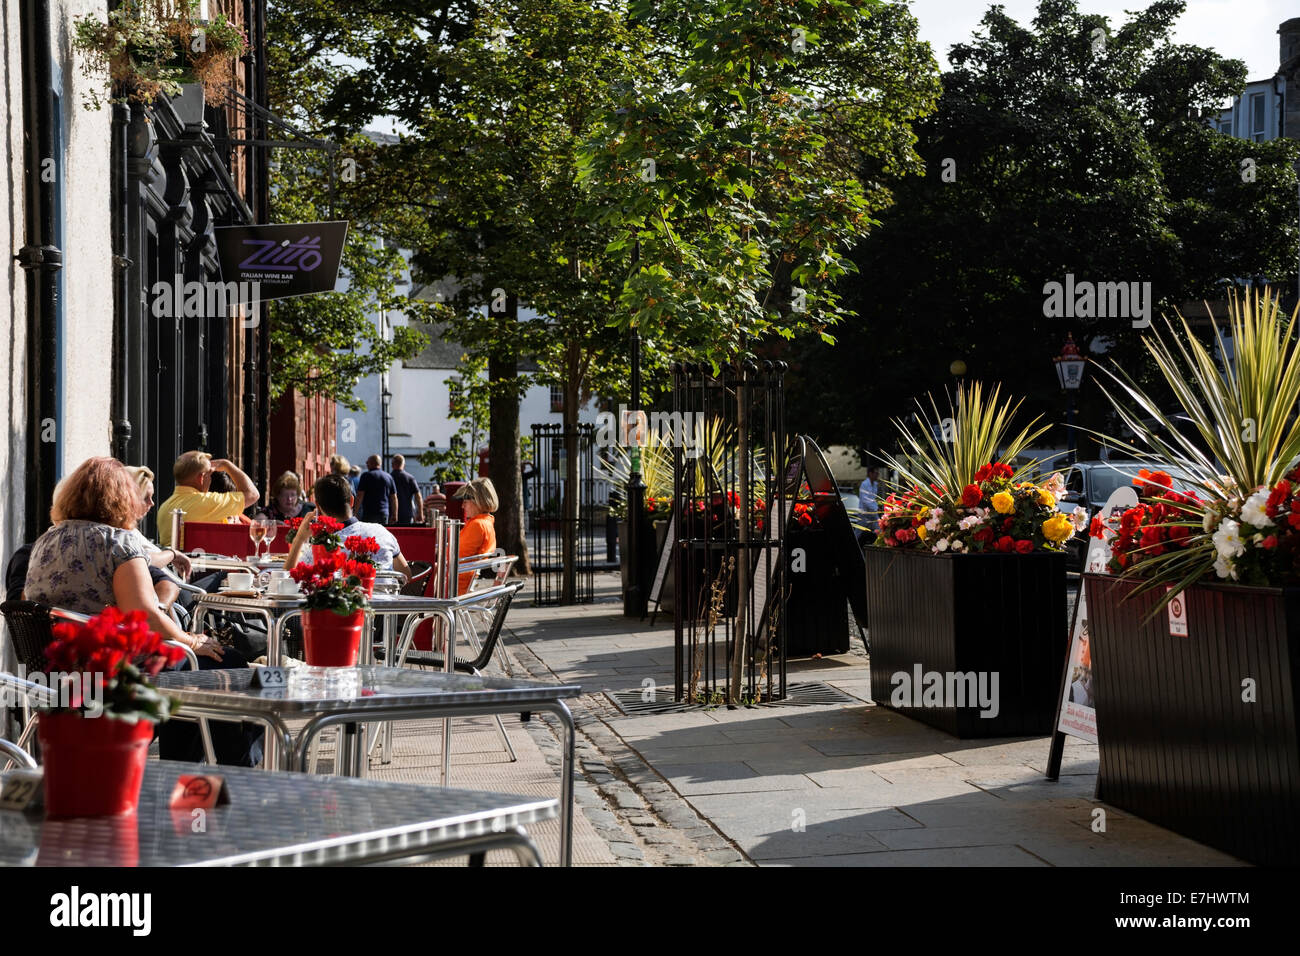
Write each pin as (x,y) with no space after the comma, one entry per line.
(330,639)
(93,765)
(320,553)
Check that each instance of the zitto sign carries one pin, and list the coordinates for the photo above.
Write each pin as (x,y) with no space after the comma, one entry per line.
(285,260)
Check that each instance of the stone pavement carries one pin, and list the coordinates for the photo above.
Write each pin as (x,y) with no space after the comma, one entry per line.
(829,785)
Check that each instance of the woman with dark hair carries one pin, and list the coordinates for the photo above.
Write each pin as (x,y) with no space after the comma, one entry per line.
(93,558)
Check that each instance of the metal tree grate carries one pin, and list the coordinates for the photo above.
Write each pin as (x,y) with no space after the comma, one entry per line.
(802,694)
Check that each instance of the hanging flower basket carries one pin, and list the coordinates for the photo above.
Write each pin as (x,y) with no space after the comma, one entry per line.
(151,48)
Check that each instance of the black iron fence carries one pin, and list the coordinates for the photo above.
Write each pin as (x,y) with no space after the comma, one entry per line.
(729,508)
(562,518)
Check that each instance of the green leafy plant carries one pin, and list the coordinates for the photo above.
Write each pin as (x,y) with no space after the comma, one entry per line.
(149,48)
(942,452)
(1240,454)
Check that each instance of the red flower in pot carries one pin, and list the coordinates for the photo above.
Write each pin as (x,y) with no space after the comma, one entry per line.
(325,537)
(337,590)
(96,738)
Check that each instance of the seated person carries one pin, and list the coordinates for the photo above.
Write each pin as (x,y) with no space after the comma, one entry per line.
(333,496)
(93,558)
(193,472)
(287,500)
(479,535)
(159,558)
(222,485)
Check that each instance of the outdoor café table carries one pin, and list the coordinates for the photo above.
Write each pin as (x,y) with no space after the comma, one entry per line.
(384,693)
(276,819)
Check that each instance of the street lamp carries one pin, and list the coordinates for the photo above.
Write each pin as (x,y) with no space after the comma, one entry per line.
(1069,372)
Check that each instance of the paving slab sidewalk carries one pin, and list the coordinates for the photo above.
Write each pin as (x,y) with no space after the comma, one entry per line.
(829,785)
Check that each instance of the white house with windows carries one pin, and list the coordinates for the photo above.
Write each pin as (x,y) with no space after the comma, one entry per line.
(1269,107)
(415,397)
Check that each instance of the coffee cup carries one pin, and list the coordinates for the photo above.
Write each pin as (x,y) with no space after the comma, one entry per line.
(282,583)
(239,581)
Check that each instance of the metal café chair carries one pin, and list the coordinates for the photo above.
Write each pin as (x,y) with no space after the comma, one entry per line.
(436,660)
(31,627)
(15,756)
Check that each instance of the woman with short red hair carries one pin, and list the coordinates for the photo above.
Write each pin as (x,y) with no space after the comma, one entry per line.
(92,558)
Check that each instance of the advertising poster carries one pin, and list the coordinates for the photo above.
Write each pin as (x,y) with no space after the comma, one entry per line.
(1078,714)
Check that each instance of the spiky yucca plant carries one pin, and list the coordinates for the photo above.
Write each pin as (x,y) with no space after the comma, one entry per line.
(1244,416)
(945,450)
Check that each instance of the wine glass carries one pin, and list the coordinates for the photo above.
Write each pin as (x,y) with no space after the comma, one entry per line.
(257,531)
(272,529)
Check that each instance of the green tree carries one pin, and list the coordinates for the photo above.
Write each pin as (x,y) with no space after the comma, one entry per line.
(470,401)
(1070,146)
(733,178)
(487,174)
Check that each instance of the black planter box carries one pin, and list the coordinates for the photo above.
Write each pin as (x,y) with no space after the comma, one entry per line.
(1178,744)
(816,610)
(1001,614)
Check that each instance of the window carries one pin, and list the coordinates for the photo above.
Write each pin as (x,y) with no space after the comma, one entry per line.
(1257,117)
(557,398)
(452,385)
(456,443)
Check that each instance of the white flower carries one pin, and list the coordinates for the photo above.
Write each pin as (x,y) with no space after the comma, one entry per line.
(1210,520)
(1223,569)
(1079,518)
(941,544)
(1253,513)
(957,545)
(1055,485)
(969,522)
(1227,540)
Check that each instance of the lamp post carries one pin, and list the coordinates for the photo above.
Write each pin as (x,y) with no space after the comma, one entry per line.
(634,598)
(1069,372)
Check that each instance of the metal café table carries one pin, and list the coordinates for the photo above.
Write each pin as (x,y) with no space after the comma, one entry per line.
(276,819)
(383,693)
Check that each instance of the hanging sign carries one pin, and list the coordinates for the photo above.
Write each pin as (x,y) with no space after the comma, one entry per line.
(283,260)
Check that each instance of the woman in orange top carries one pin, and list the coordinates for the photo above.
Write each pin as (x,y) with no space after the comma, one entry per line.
(479,534)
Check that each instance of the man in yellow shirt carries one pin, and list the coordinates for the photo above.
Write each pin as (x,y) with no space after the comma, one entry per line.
(193,473)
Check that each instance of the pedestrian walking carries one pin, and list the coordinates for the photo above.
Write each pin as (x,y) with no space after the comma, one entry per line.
(410,505)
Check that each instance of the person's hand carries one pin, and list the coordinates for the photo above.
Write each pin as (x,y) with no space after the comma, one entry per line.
(181,562)
(208,647)
(220,464)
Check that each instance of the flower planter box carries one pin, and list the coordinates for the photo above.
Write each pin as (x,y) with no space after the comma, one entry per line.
(1178,744)
(985,614)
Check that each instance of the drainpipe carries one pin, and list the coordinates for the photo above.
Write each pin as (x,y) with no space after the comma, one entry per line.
(41,260)
(119,191)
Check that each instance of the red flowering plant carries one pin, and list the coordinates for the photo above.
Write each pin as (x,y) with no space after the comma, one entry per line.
(1231,434)
(364,550)
(964,496)
(292,525)
(1164,521)
(337,583)
(325,533)
(111,655)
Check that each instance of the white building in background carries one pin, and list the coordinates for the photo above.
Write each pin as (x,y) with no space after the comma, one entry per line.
(419,398)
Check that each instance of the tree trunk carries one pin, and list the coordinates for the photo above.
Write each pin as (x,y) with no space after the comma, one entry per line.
(570,502)
(503,458)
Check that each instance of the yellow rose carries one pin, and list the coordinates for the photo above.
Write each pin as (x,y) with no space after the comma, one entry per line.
(1003,503)
(921,532)
(1058,528)
(1046,498)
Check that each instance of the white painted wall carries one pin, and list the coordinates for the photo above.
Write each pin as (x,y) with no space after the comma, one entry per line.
(87,244)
